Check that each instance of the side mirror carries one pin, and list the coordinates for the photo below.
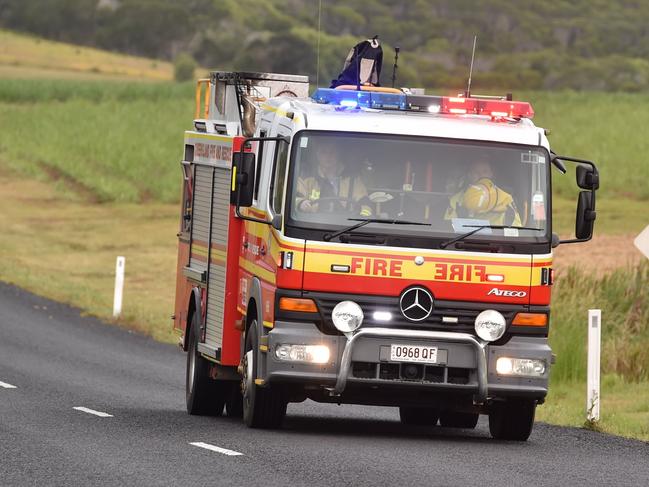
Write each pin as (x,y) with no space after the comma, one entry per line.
(243,175)
(587,177)
(585,215)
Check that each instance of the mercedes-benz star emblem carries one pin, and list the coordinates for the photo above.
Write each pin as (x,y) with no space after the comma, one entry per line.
(416,304)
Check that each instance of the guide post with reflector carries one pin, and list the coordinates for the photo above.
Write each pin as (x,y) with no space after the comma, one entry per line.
(119,286)
(594,344)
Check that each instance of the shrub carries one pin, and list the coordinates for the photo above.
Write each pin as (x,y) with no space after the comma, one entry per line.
(184,67)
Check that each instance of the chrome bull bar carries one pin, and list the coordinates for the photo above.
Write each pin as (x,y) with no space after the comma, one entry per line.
(478,345)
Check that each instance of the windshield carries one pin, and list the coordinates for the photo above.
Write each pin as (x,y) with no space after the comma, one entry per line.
(452,186)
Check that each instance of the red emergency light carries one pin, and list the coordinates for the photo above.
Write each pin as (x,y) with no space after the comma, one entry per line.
(460,105)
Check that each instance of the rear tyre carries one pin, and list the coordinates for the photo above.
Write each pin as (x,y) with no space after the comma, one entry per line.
(512,419)
(418,416)
(263,407)
(204,396)
(453,419)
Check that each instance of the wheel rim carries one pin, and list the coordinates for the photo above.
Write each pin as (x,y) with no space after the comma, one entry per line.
(246,382)
(191,368)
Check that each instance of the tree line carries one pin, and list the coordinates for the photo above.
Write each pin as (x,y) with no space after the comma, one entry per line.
(554,44)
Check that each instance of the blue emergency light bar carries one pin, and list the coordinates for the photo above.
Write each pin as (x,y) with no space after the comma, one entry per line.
(495,108)
(358,99)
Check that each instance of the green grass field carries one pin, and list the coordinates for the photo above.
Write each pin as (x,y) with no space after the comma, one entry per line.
(111,141)
(89,170)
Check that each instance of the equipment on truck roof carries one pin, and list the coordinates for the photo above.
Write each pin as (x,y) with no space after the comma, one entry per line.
(362,65)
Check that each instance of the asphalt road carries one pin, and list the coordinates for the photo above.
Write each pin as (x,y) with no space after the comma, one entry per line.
(58,360)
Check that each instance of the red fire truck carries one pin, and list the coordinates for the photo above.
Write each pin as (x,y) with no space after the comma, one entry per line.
(370,247)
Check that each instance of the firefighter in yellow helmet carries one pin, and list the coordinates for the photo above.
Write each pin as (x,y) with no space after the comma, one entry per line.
(481,198)
(330,189)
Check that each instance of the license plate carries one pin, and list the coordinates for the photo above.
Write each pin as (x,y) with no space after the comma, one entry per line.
(413,353)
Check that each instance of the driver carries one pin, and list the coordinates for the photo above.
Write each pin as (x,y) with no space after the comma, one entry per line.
(480,198)
(330,189)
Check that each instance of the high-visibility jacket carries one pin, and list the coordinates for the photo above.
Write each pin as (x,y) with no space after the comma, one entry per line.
(504,212)
(344,193)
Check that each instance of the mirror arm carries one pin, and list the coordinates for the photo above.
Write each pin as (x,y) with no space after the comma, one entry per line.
(574,159)
(556,162)
(574,240)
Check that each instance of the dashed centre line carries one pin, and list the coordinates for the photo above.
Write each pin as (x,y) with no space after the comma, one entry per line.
(7,386)
(92,411)
(216,449)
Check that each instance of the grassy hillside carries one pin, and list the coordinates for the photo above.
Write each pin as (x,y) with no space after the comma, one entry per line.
(549,45)
(24,56)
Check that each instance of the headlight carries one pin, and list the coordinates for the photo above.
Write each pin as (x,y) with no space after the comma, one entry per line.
(317,354)
(490,325)
(520,366)
(347,316)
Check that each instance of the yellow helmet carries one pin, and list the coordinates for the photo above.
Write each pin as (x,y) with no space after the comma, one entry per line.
(480,197)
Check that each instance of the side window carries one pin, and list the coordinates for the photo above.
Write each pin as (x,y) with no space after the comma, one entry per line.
(260,158)
(279,175)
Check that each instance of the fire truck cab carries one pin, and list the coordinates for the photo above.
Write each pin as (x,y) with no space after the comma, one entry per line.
(369,247)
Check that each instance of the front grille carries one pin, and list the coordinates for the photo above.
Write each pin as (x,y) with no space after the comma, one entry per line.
(434,374)
(464,312)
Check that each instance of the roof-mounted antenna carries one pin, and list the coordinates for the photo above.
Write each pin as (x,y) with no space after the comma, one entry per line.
(317,66)
(468,88)
(395,67)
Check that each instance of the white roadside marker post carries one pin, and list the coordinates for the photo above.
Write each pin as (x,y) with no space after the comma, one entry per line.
(594,344)
(119,286)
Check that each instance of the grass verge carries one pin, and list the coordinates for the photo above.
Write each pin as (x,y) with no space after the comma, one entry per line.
(624,409)
(623,297)
(65,249)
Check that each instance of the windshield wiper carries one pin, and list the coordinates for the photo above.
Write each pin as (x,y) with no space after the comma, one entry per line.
(364,221)
(477,228)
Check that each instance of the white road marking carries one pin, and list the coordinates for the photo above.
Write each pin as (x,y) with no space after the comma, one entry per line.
(7,386)
(217,449)
(92,411)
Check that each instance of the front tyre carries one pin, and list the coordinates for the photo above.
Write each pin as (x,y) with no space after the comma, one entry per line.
(512,419)
(204,396)
(263,407)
